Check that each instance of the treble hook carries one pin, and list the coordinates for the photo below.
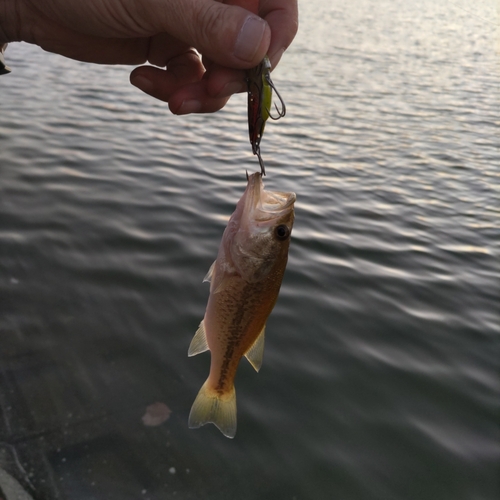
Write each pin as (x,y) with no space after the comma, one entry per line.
(260,90)
(281,113)
(261,161)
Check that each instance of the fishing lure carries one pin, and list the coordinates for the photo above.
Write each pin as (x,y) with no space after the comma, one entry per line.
(4,69)
(260,90)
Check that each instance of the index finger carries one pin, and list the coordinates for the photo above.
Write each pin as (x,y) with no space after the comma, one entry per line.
(282,16)
(283,19)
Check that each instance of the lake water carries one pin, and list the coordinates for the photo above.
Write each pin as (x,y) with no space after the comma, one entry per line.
(381,371)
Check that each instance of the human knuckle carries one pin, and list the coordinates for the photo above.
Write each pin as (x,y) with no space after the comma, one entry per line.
(209,21)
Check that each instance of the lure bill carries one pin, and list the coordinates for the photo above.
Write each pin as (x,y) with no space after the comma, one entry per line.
(260,90)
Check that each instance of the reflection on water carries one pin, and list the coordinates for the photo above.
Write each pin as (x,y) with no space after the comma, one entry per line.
(380,372)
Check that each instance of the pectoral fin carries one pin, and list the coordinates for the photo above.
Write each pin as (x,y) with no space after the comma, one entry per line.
(208,277)
(256,351)
(217,286)
(199,343)
(223,284)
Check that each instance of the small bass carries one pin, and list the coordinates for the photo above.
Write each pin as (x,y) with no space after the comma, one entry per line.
(245,280)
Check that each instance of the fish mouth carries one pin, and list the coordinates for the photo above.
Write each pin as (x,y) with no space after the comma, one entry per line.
(266,205)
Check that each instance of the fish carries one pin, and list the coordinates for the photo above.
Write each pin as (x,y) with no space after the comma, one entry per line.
(260,95)
(245,280)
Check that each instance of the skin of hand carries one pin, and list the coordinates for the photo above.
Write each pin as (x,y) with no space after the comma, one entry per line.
(230,36)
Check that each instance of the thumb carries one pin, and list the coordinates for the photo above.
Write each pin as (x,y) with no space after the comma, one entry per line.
(227,34)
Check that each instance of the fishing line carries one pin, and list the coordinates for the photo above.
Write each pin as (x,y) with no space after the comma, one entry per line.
(477,16)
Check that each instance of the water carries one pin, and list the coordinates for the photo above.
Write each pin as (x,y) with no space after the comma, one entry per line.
(380,376)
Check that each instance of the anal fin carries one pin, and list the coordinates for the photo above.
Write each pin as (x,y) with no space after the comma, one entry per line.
(199,343)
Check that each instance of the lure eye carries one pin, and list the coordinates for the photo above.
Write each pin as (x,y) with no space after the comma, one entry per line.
(282,232)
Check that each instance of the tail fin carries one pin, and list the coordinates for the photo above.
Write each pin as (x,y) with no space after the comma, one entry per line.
(211,407)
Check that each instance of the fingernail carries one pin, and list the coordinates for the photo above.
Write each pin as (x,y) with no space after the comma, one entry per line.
(143,83)
(231,88)
(189,106)
(249,38)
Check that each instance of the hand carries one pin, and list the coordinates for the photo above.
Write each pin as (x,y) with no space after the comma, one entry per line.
(229,36)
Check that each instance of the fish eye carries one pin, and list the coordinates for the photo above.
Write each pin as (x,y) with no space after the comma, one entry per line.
(282,232)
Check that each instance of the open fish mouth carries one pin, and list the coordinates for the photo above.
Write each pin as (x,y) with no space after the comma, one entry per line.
(264,205)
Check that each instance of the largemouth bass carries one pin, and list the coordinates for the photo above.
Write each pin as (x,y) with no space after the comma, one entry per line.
(245,280)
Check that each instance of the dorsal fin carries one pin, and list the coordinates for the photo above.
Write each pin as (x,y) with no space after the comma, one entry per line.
(199,343)
(256,351)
